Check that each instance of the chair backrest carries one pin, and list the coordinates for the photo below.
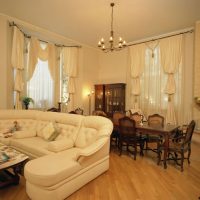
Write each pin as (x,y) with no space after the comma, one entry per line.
(156,120)
(127,126)
(116,117)
(189,132)
(136,116)
(78,111)
(99,113)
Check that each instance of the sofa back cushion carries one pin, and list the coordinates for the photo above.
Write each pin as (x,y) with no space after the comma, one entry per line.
(68,124)
(93,128)
(24,124)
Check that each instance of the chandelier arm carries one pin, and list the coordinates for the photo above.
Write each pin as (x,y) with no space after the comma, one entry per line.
(122,43)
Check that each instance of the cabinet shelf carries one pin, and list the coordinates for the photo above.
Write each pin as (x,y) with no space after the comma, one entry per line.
(110,98)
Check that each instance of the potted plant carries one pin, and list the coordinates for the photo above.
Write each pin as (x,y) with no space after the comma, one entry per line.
(26,101)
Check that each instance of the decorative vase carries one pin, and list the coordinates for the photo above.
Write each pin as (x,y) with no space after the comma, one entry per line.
(26,106)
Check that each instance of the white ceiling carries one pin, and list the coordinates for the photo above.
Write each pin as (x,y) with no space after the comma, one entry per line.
(87,21)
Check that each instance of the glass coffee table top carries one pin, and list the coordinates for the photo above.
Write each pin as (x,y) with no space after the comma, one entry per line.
(9,156)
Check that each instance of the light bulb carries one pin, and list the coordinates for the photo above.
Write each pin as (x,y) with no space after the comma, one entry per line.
(99,44)
(111,38)
(102,41)
(124,43)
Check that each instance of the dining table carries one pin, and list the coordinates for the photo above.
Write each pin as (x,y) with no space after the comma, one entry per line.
(165,131)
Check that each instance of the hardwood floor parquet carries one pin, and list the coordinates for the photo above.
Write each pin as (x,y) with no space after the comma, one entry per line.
(135,180)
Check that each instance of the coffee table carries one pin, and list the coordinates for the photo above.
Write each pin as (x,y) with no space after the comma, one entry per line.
(11,165)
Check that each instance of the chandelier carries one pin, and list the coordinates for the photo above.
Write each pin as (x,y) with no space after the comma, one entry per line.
(112,47)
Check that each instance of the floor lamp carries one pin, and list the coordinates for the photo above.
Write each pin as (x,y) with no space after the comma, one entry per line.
(89,97)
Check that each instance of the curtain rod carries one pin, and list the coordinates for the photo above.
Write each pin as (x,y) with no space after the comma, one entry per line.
(152,40)
(29,36)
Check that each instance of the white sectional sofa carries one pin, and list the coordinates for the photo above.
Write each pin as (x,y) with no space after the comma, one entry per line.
(78,154)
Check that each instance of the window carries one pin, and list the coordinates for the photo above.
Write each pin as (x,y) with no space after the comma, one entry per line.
(41,87)
(153,81)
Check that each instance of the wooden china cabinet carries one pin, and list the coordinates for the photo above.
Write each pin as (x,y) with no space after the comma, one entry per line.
(110,98)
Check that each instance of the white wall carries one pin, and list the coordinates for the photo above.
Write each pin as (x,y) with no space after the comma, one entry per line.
(88,63)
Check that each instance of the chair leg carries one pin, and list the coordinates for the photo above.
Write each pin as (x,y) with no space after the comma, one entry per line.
(141,148)
(189,153)
(159,157)
(182,160)
(135,152)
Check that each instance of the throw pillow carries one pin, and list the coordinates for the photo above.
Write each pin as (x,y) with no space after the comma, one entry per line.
(60,145)
(48,130)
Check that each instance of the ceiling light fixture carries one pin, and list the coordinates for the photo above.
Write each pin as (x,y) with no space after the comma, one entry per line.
(112,47)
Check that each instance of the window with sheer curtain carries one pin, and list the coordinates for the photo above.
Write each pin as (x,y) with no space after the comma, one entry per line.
(153,81)
(41,87)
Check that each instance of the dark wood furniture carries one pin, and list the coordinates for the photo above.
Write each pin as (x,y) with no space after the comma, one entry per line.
(11,168)
(178,146)
(55,109)
(136,116)
(78,111)
(115,133)
(158,121)
(165,131)
(110,98)
(128,136)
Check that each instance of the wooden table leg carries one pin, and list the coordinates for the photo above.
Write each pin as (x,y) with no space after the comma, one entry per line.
(166,145)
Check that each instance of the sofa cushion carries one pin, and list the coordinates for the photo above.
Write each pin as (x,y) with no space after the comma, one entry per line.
(6,124)
(27,124)
(24,134)
(48,130)
(86,136)
(60,145)
(49,170)
(35,145)
(39,127)
(66,132)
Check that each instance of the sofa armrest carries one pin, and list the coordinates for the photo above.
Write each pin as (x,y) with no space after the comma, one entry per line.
(93,148)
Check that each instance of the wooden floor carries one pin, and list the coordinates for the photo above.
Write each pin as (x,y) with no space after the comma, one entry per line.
(135,180)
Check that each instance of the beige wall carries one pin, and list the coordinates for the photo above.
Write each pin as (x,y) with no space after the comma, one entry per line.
(6,78)
(88,63)
(114,67)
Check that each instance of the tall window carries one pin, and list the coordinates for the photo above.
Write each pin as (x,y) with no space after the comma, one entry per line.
(153,81)
(41,87)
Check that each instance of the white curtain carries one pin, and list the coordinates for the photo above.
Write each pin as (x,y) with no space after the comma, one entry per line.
(41,86)
(137,62)
(44,54)
(17,61)
(70,67)
(153,98)
(171,53)
(42,74)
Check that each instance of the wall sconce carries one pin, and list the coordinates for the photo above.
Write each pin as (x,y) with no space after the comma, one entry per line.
(89,97)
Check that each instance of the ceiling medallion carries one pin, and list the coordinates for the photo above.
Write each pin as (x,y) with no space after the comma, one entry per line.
(112,47)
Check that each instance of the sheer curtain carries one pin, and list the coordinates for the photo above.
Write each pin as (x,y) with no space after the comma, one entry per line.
(41,87)
(153,98)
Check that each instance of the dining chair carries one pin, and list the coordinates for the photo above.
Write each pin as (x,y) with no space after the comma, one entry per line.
(128,136)
(115,134)
(136,116)
(78,111)
(99,113)
(154,120)
(179,146)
